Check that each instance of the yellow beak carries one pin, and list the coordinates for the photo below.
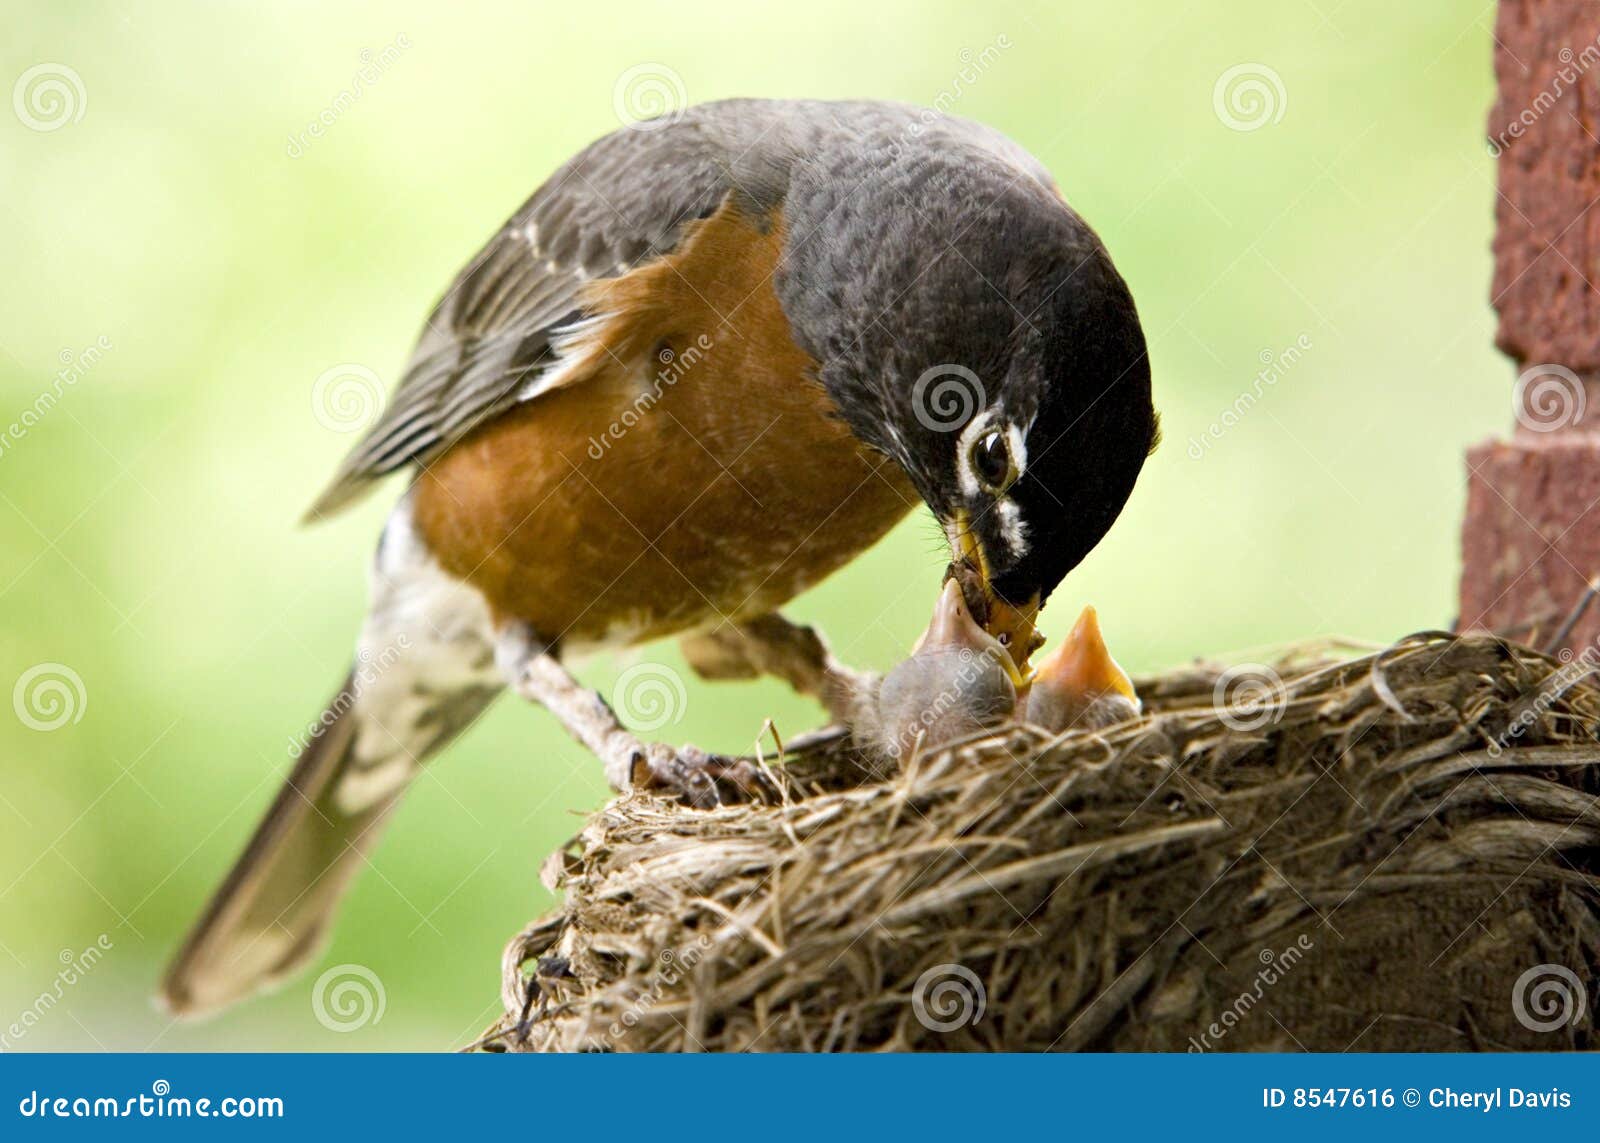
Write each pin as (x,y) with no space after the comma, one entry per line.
(1014,626)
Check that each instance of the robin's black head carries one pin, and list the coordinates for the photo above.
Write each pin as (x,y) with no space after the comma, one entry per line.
(999,358)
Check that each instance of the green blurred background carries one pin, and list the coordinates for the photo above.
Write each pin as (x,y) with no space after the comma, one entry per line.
(147,519)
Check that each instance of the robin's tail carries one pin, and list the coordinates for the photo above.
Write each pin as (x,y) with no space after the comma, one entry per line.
(272,913)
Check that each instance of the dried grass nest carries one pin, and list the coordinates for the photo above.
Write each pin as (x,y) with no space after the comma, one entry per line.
(1396,851)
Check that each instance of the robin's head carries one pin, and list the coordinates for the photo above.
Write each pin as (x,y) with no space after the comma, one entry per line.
(1029,483)
(999,359)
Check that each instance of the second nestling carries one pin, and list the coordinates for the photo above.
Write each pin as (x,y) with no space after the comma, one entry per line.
(959,680)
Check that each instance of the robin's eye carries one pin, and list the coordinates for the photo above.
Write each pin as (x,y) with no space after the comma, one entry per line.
(991,461)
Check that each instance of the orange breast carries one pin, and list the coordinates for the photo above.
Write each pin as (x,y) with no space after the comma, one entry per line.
(690,469)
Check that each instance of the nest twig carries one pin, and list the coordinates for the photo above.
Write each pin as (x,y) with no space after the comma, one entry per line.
(1388,852)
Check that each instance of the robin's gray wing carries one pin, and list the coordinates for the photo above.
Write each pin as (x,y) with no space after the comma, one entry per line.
(496,332)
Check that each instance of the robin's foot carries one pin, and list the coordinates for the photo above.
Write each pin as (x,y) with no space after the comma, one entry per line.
(698,778)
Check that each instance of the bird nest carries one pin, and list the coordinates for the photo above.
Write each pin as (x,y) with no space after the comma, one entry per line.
(1397,851)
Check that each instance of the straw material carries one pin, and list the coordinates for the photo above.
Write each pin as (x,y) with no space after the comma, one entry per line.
(1397,851)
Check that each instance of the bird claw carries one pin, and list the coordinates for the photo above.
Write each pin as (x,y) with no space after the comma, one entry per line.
(700,779)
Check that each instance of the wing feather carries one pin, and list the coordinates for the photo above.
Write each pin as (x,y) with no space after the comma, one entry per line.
(621,202)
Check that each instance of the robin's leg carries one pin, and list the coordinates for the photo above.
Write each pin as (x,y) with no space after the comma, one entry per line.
(701,779)
(772,645)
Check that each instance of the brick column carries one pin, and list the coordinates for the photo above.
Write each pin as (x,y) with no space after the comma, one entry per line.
(1531,538)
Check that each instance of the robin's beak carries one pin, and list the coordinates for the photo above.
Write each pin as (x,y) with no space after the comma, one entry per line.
(1011,623)
(1082,667)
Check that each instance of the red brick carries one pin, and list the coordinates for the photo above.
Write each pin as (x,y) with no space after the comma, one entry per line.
(1531,538)
(1547,240)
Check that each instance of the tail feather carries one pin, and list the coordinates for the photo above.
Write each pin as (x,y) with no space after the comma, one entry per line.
(272,913)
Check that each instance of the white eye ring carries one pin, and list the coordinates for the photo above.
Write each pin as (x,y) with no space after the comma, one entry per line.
(987,422)
(990,459)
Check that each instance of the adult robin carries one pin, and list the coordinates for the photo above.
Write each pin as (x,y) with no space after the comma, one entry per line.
(712,359)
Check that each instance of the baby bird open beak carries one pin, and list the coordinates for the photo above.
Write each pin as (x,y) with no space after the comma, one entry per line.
(952,625)
(959,679)
(1079,686)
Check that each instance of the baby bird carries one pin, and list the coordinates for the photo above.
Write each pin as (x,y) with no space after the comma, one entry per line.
(959,679)
(1079,686)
